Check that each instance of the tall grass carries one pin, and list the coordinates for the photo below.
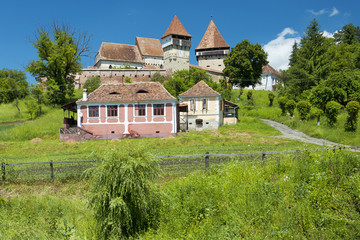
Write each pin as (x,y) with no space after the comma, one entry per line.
(9,113)
(46,126)
(45,217)
(312,196)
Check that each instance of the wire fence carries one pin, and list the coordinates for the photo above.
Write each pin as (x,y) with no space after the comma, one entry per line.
(170,164)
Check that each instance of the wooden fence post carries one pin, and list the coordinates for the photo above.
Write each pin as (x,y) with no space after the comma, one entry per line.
(3,171)
(263,156)
(51,171)
(206,160)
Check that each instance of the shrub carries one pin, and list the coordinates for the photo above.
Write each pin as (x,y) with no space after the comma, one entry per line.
(304,107)
(316,113)
(282,102)
(331,112)
(250,98)
(351,122)
(290,107)
(123,192)
(271,98)
(128,80)
(92,83)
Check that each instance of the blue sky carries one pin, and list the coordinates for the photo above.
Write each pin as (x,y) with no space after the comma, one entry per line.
(273,24)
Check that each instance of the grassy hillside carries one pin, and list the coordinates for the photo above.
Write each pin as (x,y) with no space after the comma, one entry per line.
(310,196)
(261,109)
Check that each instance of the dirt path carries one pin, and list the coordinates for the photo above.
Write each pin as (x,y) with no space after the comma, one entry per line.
(300,136)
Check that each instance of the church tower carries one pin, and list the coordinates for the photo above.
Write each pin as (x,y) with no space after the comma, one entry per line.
(176,43)
(212,49)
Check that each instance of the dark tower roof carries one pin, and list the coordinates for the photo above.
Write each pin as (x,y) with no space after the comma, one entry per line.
(176,28)
(212,38)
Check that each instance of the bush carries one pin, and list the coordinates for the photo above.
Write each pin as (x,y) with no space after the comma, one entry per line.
(304,107)
(128,80)
(271,98)
(290,107)
(351,122)
(123,192)
(316,113)
(282,103)
(92,83)
(250,98)
(332,110)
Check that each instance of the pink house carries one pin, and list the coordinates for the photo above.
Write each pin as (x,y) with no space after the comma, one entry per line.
(122,111)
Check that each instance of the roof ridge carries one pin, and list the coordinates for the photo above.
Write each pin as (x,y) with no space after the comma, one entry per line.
(212,38)
(176,28)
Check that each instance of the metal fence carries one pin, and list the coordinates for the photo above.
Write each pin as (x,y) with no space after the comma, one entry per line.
(168,163)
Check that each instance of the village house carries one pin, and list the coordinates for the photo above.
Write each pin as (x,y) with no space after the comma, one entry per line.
(269,79)
(206,109)
(121,111)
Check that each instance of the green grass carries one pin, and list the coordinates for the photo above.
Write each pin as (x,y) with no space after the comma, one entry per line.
(262,110)
(311,196)
(9,113)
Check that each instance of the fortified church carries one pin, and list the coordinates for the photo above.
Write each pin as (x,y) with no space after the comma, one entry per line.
(114,61)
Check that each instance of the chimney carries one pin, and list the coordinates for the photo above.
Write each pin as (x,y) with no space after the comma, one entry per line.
(85,96)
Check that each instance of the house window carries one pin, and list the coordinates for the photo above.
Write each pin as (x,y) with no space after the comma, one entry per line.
(199,122)
(205,104)
(192,105)
(140,110)
(158,109)
(112,110)
(93,111)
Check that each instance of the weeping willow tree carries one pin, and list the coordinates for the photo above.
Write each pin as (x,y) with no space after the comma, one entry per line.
(123,194)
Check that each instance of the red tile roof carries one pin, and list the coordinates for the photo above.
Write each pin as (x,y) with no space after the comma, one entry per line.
(129,92)
(267,69)
(212,38)
(149,47)
(200,89)
(120,52)
(176,28)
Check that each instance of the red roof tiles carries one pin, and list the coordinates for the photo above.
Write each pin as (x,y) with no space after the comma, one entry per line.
(129,92)
(267,69)
(212,38)
(176,28)
(200,89)
(149,47)
(120,52)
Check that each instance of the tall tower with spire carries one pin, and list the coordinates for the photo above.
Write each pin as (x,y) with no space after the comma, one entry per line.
(176,43)
(212,49)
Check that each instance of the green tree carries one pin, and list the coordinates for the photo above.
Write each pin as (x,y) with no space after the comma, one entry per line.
(59,51)
(345,84)
(92,83)
(271,97)
(352,109)
(303,107)
(32,108)
(349,34)
(157,77)
(123,193)
(13,86)
(243,65)
(332,111)
(37,93)
(309,62)
(321,95)
(316,113)
(290,107)
(282,104)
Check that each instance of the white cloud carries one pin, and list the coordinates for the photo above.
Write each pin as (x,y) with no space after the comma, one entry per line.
(334,12)
(279,49)
(320,12)
(327,34)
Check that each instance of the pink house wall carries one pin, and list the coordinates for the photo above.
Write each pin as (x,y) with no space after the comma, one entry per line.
(105,129)
(83,110)
(122,113)
(130,113)
(147,128)
(149,112)
(103,113)
(169,111)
